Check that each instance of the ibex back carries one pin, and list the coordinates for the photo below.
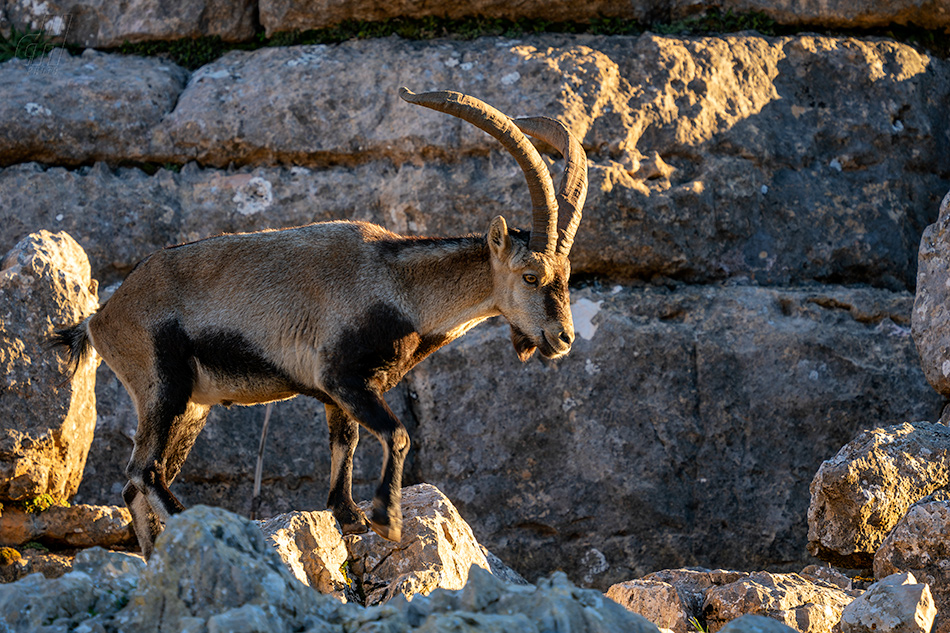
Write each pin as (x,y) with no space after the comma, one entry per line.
(339,311)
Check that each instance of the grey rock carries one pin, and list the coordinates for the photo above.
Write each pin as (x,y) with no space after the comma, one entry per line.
(291,15)
(931,316)
(692,584)
(843,14)
(554,604)
(214,568)
(120,216)
(755,624)
(70,110)
(896,604)
(498,568)
(826,574)
(683,422)
(47,424)
(104,24)
(920,544)
(859,495)
(99,585)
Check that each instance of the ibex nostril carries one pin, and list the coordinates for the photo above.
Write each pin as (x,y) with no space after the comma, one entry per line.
(566,338)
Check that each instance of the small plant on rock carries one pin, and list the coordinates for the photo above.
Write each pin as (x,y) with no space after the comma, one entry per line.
(23,44)
(42,503)
(8,556)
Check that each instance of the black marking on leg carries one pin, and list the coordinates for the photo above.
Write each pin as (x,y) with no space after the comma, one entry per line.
(380,350)
(176,372)
(344,436)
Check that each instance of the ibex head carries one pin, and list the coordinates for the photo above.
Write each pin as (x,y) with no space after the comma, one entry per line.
(530,277)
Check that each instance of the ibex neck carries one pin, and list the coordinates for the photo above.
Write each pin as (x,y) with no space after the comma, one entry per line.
(448,282)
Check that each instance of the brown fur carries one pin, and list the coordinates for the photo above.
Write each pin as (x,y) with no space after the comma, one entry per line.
(339,311)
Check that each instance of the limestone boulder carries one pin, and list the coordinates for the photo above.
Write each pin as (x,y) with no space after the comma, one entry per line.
(693,583)
(437,550)
(552,604)
(859,495)
(897,603)
(52,564)
(828,575)
(312,547)
(658,602)
(74,526)
(70,110)
(808,607)
(214,569)
(103,24)
(100,583)
(920,545)
(931,316)
(48,423)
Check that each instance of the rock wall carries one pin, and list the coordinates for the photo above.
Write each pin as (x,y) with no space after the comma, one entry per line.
(744,270)
(103,24)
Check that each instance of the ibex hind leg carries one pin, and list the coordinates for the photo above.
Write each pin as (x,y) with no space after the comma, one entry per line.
(344,436)
(146,525)
(147,516)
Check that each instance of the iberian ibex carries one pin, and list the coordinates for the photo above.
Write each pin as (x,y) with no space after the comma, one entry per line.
(339,311)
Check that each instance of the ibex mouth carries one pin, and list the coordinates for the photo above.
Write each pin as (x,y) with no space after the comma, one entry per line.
(549,350)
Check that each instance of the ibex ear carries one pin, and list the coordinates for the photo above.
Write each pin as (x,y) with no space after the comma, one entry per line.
(498,240)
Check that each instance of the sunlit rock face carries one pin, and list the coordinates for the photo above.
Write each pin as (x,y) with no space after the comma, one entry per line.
(47,421)
(859,495)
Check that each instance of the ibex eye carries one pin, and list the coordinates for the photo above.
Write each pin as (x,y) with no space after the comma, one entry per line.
(531,280)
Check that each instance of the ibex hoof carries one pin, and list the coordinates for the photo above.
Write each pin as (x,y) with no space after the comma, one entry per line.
(351,519)
(354,528)
(389,532)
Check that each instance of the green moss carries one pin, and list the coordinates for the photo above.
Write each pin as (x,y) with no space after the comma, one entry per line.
(42,503)
(9,555)
(36,545)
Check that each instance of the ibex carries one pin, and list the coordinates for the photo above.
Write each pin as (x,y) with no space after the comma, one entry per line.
(339,311)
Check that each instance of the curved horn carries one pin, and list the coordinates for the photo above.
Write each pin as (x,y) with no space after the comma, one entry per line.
(572,190)
(485,117)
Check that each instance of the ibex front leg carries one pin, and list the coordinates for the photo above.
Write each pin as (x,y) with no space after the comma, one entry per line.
(344,436)
(370,410)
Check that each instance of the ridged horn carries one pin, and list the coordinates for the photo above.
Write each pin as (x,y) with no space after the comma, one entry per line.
(544,205)
(572,190)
